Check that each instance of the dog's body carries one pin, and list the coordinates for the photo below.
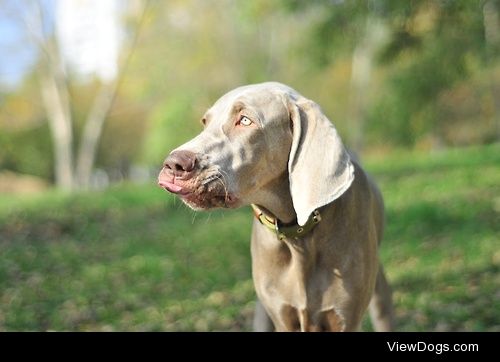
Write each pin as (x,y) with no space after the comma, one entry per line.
(267,145)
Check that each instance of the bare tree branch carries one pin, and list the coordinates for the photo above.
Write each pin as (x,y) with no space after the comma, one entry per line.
(100,110)
(55,96)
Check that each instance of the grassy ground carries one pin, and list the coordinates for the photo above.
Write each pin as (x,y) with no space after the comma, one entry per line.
(133,258)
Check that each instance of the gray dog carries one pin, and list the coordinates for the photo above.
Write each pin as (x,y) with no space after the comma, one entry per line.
(319,218)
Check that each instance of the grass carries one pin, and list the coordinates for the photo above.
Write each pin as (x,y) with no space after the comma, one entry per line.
(133,258)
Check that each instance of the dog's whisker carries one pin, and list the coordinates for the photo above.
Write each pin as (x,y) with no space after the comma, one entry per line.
(208,179)
(209,216)
(193,216)
(223,182)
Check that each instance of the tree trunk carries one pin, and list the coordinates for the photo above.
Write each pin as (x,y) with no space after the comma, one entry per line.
(491,23)
(361,72)
(57,105)
(92,132)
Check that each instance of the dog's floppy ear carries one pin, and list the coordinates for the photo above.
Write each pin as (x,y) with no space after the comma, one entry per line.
(319,166)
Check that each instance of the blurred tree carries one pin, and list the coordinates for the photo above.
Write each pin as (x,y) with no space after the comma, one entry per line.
(431,45)
(71,172)
(434,45)
(491,21)
(356,28)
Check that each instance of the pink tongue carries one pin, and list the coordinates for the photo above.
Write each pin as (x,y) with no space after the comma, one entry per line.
(170,187)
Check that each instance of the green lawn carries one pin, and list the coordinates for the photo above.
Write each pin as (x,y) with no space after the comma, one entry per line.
(134,258)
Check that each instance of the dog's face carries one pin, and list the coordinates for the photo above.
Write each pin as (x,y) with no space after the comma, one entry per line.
(245,145)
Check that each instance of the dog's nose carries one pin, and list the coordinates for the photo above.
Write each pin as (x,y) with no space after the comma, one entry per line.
(180,162)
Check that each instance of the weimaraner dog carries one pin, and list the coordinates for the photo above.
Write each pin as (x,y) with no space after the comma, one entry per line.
(319,218)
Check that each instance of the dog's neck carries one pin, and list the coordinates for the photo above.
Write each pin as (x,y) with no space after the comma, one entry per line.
(276,199)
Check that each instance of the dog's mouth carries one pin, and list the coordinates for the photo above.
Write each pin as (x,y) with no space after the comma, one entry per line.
(201,192)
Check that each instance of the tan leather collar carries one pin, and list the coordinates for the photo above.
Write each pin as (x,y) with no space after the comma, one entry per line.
(289,231)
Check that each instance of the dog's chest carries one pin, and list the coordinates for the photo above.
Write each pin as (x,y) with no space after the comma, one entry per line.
(303,305)
(299,292)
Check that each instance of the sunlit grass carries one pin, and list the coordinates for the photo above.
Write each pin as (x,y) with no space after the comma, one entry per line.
(134,258)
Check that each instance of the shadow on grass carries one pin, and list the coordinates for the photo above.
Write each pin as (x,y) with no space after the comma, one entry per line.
(456,300)
(444,264)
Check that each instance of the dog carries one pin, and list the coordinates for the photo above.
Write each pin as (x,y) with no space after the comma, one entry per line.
(319,218)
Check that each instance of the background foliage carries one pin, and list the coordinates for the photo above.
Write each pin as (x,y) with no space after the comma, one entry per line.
(433,78)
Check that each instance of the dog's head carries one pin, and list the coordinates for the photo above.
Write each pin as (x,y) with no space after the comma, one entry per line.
(254,135)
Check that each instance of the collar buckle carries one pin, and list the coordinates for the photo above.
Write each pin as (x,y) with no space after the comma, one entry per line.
(283,232)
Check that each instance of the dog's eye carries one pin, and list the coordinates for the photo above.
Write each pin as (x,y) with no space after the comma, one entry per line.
(244,121)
